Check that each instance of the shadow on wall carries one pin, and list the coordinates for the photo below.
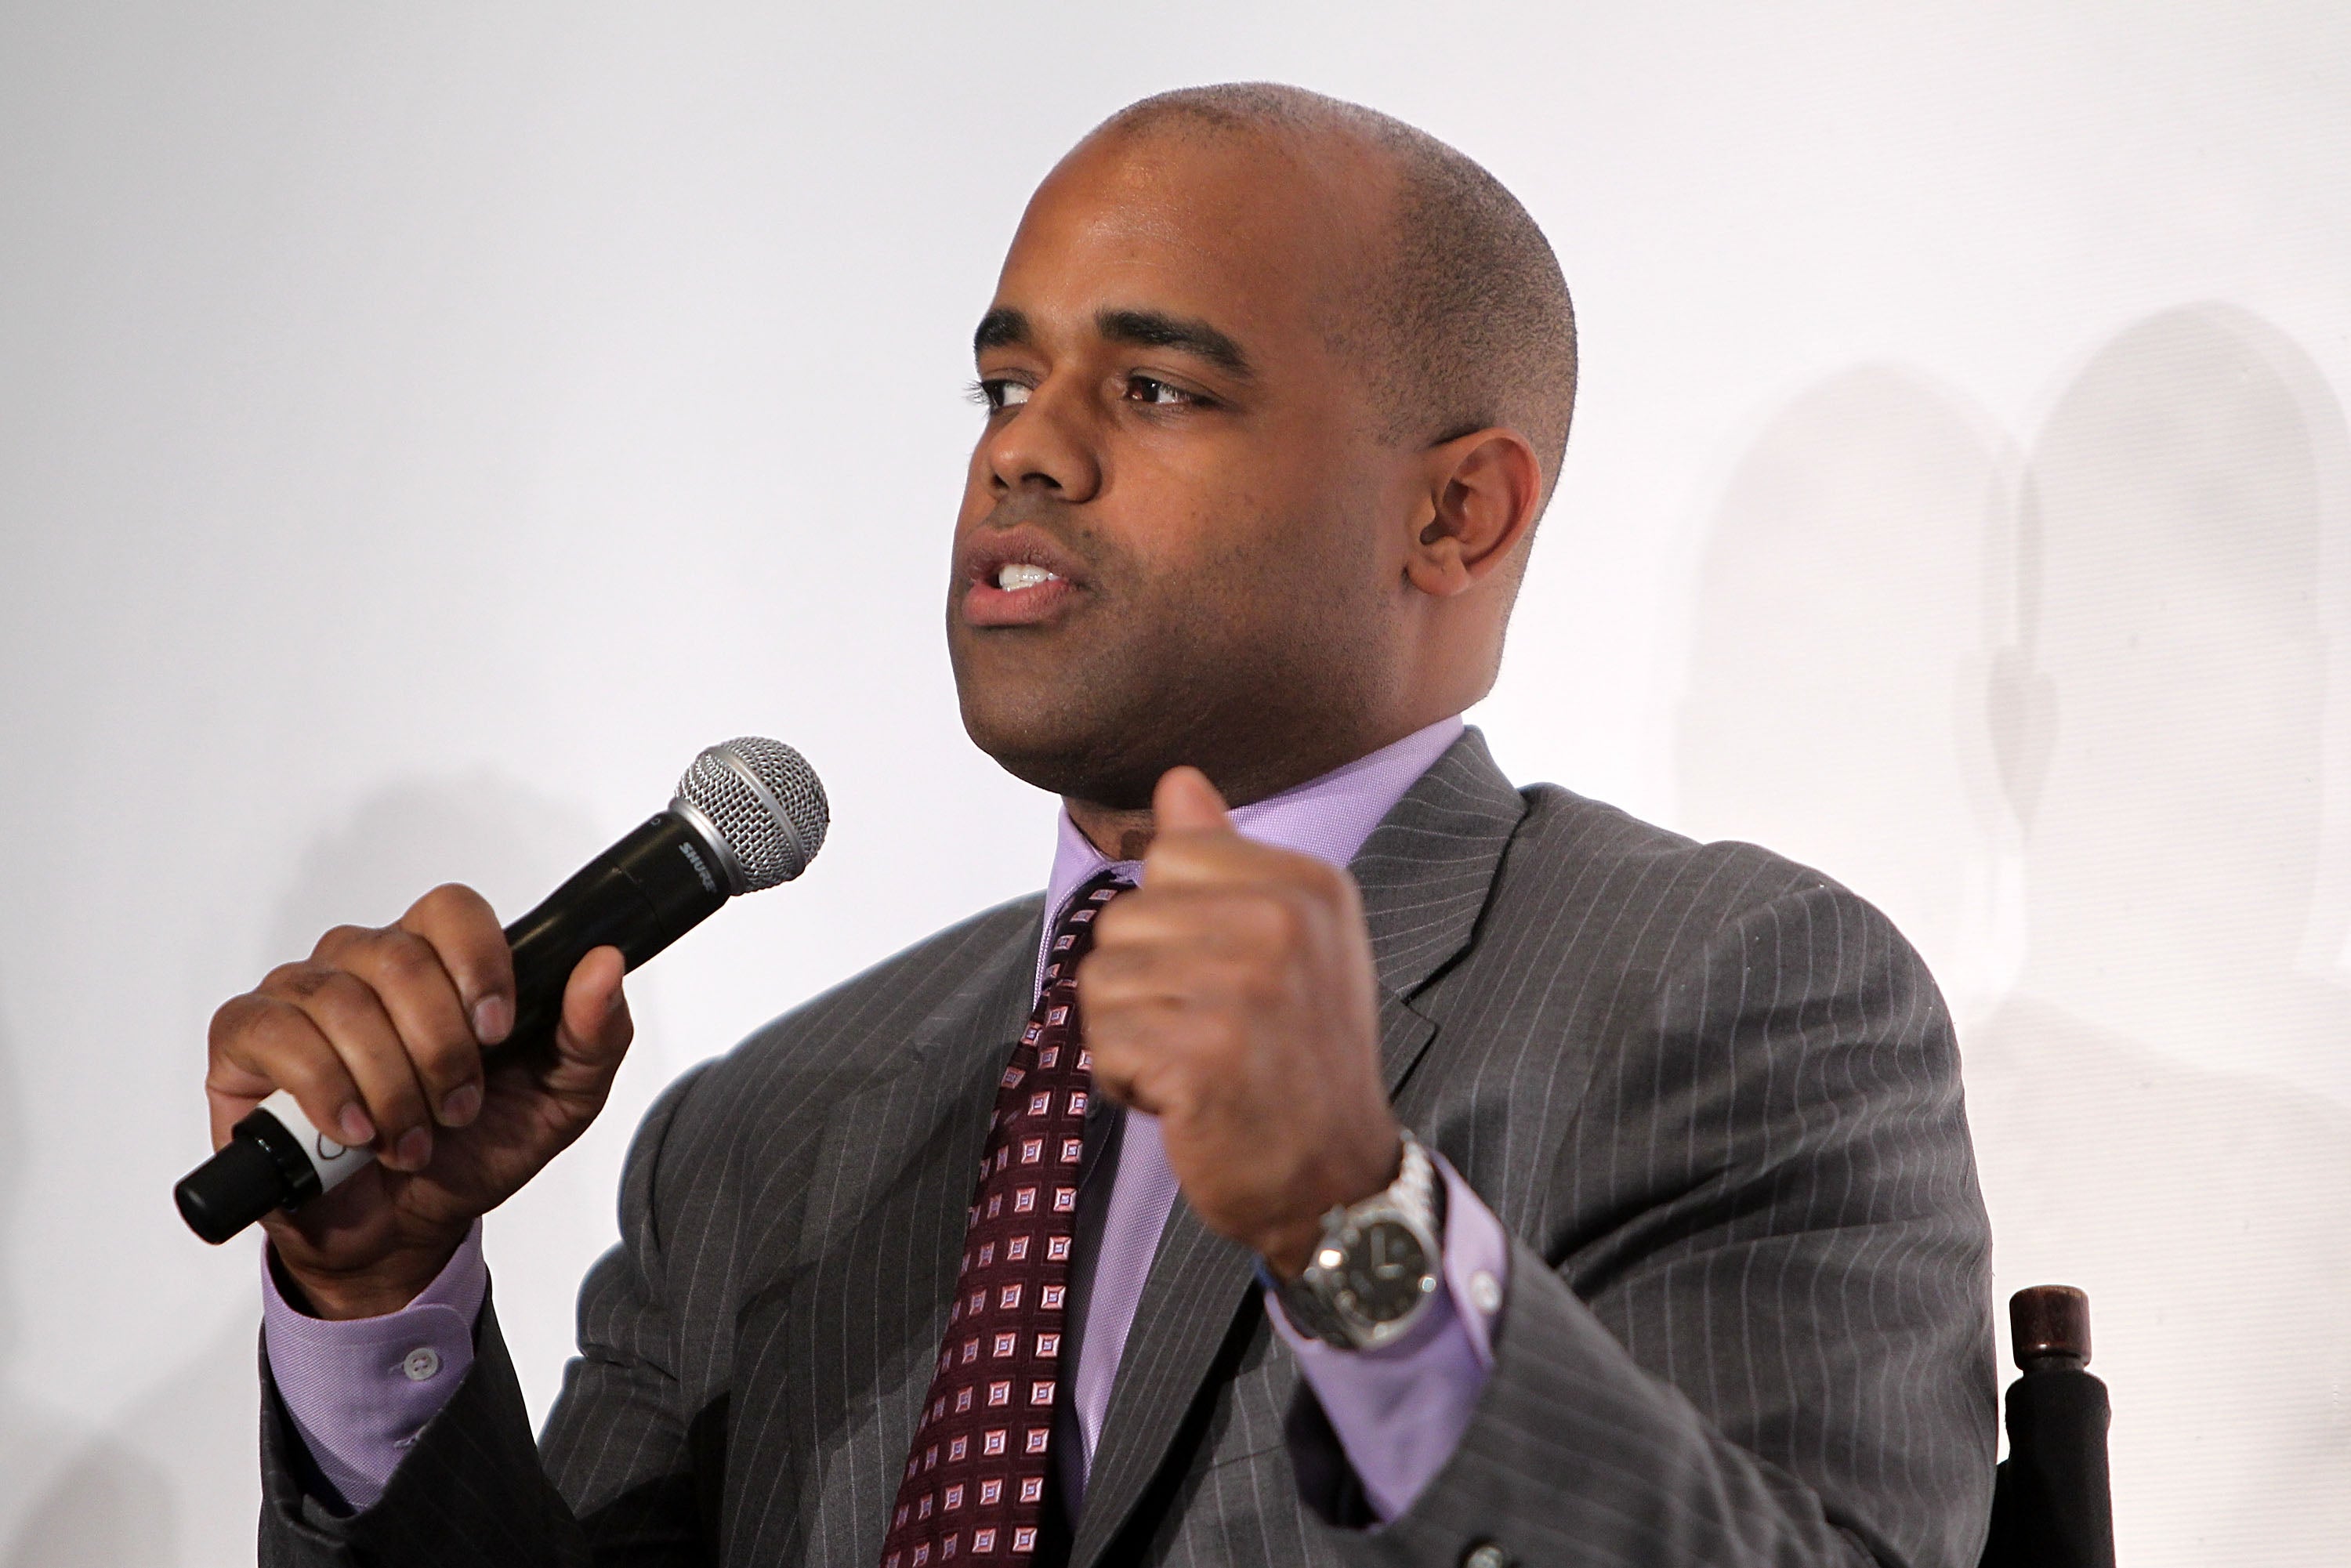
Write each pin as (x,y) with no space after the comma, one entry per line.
(1836,611)
(2165,598)
(174,1478)
(2157,1099)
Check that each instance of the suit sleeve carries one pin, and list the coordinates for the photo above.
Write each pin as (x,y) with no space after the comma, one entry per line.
(1764,1334)
(615,1481)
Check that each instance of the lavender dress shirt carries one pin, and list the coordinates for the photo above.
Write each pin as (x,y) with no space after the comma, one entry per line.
(359,1391)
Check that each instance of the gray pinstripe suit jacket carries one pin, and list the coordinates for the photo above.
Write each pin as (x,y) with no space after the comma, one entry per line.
(1713,1097)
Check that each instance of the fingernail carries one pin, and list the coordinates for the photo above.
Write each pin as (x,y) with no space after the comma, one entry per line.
(493,1017)
(458,1109)
(358,1131)
(416,1147)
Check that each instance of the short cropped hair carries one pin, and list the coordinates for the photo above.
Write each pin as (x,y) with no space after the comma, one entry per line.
(1468,312)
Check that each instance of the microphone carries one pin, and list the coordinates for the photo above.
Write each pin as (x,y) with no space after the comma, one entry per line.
(748,814)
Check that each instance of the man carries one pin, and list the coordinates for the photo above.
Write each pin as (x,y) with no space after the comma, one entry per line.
(1376,1163)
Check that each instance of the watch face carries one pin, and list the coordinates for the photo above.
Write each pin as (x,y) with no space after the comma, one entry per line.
(1382,1280)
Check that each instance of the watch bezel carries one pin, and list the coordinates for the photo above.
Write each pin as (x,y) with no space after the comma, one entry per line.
(1319,1302)
(1365,1331)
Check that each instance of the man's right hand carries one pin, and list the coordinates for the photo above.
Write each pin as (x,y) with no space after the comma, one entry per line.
(380,1034)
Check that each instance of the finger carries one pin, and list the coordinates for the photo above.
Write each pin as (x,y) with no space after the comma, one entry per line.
(1114,979)
(1145,992)
(1141,1063)
(1172,1002)
(596,1029)
(1120,1054)
(1185,801)
(347,1012)
(1215,918)
(465,932)
(1156,1007)
(428,1011)
(262,1043)
(1116,1083)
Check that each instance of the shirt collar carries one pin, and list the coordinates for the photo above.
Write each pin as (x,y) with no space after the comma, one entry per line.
(1327,818)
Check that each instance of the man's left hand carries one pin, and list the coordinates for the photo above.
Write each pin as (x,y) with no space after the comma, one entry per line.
(1232,996)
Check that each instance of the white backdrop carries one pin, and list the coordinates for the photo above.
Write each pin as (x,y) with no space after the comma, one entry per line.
(422,427)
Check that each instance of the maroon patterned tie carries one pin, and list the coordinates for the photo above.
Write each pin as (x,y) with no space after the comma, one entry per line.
(975,1484)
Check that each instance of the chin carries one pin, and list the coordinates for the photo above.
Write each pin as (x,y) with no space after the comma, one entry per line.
(1045,744)
(1065,767)
(1104,728)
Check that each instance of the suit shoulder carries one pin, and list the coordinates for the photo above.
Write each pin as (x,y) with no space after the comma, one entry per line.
(881,1011)
(1563,828)
(1569,850)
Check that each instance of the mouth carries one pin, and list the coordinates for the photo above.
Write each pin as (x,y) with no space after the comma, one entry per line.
(1018,578)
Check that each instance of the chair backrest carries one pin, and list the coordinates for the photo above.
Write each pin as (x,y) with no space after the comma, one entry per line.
(2051,1505)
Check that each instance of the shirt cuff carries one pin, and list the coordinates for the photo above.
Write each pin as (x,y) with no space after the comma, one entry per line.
(1399,1411)
(358,1390)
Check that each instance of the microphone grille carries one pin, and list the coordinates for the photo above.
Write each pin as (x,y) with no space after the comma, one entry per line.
(766,802)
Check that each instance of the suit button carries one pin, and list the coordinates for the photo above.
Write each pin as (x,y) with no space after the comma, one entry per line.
(1485,1554)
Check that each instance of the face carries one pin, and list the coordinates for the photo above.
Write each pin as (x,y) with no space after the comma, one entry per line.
(1181,538)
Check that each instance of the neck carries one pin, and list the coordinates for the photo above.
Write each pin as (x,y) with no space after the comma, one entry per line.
(1121,835)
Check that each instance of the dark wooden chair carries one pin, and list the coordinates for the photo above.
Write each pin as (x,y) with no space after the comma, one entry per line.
(2051,1506)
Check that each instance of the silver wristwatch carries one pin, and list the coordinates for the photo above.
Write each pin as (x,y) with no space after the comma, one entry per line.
(1378,1265)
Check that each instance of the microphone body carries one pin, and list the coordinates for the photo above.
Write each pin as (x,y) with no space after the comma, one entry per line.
(659,882)
(642,895)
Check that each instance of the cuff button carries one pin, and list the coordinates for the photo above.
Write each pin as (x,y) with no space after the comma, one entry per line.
(423,1362)
(1485,1554)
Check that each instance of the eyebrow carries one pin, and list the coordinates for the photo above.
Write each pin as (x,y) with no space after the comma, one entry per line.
(1008,329)
(1157,330)
(1000,330)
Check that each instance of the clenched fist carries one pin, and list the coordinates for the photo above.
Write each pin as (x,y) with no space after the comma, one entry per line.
(380,1036)
(1232,996)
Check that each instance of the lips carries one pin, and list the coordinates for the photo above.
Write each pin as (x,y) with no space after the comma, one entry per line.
(1015,576)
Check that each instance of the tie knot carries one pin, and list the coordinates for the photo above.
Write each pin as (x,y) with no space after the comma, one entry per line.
(1073,934)
(1104,886)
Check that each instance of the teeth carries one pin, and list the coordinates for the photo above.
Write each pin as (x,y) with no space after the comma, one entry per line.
(1012,579)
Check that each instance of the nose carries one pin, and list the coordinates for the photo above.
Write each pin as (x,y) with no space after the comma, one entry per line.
(1048,444)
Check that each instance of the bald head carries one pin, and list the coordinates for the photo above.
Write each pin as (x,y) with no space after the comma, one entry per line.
(1459,312)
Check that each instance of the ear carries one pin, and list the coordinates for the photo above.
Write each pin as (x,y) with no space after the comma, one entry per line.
(1485,490)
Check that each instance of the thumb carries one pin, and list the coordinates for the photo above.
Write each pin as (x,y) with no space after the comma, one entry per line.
(1186,802)
(596,1028)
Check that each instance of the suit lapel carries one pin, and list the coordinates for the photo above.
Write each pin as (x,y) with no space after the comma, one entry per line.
(1427,868)
(837,1352)
(1425,874)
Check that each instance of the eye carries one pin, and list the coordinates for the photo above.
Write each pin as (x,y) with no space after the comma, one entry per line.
(1151,390)
(999,394)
